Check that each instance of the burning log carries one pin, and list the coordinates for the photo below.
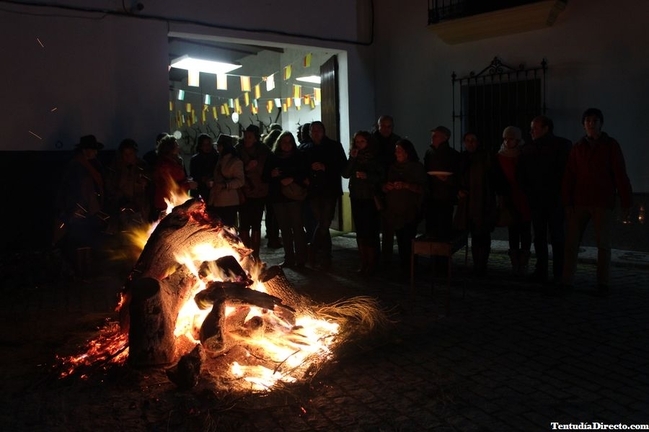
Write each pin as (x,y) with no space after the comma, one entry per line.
(153,310)
(221,293)
(279,286)
(227,268)
(159,286)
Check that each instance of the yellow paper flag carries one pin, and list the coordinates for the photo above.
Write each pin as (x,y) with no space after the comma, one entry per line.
(237,104)
(287,72)
(289,102)
(257,91)
(317,95)
(307,60)
(246,99)
(269,106)
(188,107)
(214,113)
(284,107)
(297,91)
(245,83)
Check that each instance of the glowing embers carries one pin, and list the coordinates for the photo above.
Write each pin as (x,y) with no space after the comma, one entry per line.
(109,347)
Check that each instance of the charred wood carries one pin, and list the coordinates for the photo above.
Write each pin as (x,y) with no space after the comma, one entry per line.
(186,373)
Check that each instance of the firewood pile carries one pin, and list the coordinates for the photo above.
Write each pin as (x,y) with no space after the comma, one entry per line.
(247,325)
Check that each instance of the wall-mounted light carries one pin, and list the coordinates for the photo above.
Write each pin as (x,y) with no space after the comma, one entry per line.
(208,66)
(313,79)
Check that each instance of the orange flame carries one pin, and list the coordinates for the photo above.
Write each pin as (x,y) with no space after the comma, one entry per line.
(294,349)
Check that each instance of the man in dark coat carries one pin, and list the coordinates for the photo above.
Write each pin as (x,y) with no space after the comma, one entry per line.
(201,165)
(540,172)
(385,139)
(442,163)
(325,161)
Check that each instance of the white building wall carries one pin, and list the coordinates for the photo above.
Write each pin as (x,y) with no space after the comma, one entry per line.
(106,72)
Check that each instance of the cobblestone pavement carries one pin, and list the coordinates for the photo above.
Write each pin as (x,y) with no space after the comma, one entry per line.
(504,356)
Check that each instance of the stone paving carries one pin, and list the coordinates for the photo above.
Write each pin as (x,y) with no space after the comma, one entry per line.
(505,356)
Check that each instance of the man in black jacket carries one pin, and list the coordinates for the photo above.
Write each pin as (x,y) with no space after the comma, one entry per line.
(385,140)
(442,163)
(540,173)
(325,161)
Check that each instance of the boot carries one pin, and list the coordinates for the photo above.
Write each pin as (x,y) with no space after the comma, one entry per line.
(524,262)
(480,260)
(362,257)
(255,243)
(515,259)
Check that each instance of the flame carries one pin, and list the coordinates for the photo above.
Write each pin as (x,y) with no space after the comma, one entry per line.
(275,349)
(293,348)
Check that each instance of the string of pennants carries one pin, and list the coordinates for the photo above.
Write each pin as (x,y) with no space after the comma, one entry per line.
(190,116)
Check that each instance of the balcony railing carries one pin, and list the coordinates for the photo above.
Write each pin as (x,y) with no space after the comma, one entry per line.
(444,10)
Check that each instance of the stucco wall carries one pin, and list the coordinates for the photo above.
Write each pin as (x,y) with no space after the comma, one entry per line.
(103,72)
(597,56)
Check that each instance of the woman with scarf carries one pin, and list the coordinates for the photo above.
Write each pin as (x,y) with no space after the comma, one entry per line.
(513,202)
(285,170)
(365,172)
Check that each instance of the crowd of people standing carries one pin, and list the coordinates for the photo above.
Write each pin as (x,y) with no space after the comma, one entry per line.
(544,191)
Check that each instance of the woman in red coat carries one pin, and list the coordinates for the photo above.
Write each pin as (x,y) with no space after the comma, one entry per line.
(169,176)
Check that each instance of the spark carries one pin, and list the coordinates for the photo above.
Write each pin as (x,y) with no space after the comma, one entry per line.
(53,109)
(40,43)
(35,135)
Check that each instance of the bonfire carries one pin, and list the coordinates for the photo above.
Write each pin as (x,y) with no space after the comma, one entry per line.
(199,305)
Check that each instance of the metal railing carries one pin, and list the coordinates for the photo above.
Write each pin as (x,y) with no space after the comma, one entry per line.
(498,96)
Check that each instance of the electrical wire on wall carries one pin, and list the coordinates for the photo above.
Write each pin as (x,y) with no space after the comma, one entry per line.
(135,12)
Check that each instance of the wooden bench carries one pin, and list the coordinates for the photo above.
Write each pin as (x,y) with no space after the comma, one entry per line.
(436,248)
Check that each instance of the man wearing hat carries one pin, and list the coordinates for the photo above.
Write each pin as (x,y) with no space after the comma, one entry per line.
(443,161)
(80,200)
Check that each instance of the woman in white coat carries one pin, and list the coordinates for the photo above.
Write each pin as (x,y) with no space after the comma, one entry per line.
(228,178)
